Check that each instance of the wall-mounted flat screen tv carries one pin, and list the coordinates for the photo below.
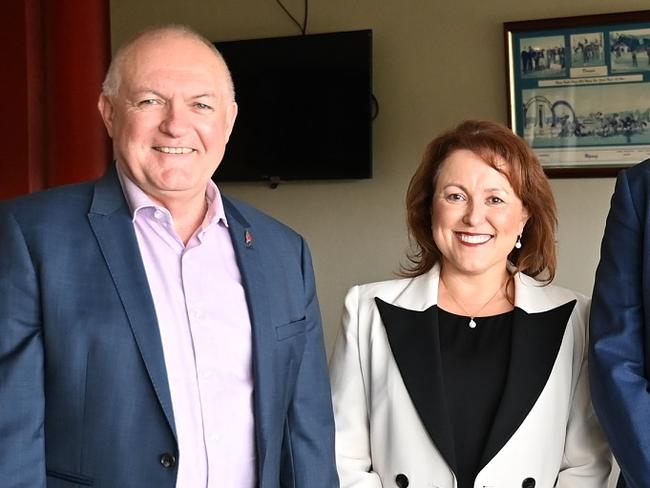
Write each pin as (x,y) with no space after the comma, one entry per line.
(305,108)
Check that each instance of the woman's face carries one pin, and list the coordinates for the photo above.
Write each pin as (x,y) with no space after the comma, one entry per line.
(476,215)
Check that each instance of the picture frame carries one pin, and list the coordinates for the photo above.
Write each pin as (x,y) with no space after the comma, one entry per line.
(579,91)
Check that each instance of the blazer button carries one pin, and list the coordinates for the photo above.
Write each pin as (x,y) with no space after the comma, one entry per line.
(528,483)
(401,480)
(167,460)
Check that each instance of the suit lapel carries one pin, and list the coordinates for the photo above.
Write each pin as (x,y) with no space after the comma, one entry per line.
(415,343)
(251,267)
(536,341)
(111,223)
(540,319)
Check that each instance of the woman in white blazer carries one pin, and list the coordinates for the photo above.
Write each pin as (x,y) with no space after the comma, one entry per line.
(470,371)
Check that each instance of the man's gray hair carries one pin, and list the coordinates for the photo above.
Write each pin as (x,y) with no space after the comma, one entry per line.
(111,84)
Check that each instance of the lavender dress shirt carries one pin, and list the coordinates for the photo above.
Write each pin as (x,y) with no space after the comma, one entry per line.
(206,337)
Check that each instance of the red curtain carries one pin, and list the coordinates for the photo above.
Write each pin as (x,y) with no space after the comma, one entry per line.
(55,54)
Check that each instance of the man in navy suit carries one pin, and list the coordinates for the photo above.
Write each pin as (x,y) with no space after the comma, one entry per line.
(620,327)
(152,332)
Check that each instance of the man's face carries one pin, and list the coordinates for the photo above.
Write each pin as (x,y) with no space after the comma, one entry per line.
(172,116)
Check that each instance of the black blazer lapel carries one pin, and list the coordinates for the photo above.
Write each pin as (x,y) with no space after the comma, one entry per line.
(415,343)
(111,222)
(536,341)
(251,267)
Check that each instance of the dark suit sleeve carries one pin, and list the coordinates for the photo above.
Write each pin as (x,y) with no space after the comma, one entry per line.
(22,451)
(618,327)
(310,418)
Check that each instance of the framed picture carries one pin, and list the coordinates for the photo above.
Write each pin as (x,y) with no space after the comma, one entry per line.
(579,91)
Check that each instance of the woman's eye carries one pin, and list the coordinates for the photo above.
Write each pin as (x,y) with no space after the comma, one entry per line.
(495,200)
(455,197)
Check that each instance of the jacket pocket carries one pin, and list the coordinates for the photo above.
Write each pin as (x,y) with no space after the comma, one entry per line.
(291,329)
(70,479)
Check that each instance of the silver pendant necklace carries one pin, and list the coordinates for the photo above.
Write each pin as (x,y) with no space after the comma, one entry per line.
(472,322)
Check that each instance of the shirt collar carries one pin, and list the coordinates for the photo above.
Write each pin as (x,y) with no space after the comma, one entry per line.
(138,200)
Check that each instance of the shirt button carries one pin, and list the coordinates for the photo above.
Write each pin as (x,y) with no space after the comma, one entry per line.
(167,460)
(158,214)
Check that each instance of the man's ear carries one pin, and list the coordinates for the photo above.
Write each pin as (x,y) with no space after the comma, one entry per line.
(106,110)
(231,115)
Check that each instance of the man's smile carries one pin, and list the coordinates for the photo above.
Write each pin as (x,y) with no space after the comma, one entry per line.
(173,150)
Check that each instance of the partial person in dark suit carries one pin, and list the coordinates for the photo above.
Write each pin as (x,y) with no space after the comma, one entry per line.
(620,327)
(154,333)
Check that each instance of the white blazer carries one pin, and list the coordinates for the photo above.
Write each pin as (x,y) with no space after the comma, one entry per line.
(392,427)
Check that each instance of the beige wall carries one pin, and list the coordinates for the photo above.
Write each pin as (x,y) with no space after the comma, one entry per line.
(435,63)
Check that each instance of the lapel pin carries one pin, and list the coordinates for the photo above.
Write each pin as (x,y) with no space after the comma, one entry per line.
(248,238)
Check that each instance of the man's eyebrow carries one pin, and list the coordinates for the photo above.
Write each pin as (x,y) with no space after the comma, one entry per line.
(147,91)
(143,91)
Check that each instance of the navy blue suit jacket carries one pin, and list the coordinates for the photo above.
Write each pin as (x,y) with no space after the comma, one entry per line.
(620,327)
(84,397)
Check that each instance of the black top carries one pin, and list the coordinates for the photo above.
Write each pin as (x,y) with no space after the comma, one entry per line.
(474,366)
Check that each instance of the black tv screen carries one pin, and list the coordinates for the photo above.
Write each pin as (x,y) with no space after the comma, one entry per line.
(305,106)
